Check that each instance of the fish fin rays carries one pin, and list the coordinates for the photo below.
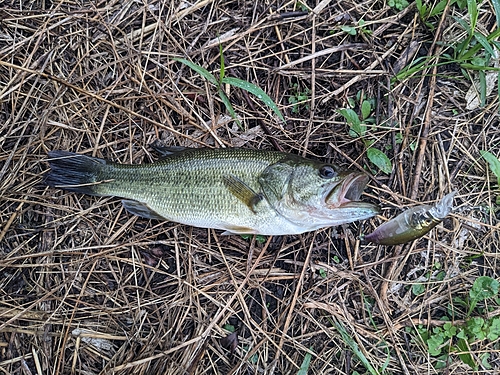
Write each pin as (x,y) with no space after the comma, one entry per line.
(165,151)
(235,229)
(242,191)
(141,209)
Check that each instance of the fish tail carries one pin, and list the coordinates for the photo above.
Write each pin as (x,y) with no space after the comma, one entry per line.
(75,172)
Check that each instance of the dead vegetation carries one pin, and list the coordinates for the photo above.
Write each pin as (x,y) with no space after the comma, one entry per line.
(86,288)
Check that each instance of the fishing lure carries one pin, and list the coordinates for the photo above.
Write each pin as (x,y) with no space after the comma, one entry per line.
(412,224)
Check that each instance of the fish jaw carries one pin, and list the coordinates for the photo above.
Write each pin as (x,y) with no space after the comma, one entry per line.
(341,204)
(337,204)
(348,191)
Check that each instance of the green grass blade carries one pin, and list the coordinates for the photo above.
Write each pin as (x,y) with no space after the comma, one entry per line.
(466,356)
(472,52)
(484,42)
(479,67)
(354,347)
(257,91)
(304,367)
(496,6)
(494,163)
(229,107)
(482,87)
(438,9)
(498,85)
(222,65)
(411,69)
(200,70)
(472,9)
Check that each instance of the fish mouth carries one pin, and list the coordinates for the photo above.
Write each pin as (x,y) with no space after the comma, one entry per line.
(348,192)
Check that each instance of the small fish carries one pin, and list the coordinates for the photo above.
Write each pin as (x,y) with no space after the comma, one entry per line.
(412,224)
(236,190)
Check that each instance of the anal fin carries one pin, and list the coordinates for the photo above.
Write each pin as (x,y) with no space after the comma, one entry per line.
(236,229)
(141,209)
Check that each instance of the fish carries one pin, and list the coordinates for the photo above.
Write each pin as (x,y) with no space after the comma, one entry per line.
(239,191)
(412,223)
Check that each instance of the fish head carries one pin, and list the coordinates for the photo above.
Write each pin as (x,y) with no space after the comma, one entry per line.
(317,195)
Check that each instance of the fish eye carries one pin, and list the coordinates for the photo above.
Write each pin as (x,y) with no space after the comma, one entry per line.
(327,172)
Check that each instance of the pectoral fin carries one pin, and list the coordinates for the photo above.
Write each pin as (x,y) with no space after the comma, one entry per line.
(141,209)
(242,191)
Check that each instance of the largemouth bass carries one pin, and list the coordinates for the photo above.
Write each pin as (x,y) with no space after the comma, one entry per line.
(240,191)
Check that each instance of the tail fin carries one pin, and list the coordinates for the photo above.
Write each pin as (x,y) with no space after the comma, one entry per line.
(74,172)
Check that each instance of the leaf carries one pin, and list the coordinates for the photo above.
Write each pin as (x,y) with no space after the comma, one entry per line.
(229,107)
(472,10)
(222,65)
(482,87)
(479,67)
(380,159)
(449,330)
(466,357)
(260,238)
(496,6)
(476,328)
(422,9)
(438,9)
(200,70)
(349,30)
(494,329)
(257,91)
(434,344)
(494,163)
(484,361)
(353,120)
(350,116)
(304,367)
(484,287)
(418,289)
(354,347)
(484,42)
(229,327)
(366,109)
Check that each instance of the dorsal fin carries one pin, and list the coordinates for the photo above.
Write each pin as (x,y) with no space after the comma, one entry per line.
(166,150)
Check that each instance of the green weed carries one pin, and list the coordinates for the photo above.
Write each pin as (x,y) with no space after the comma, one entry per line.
(476,52)
(358,129)
(299,98)
(458,338)
(398,4)
(218,83)
(354,347)
(353,30)
(258,237)
(494,163)
(428,10)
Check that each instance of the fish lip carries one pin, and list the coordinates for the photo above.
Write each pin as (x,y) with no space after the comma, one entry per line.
(348,191)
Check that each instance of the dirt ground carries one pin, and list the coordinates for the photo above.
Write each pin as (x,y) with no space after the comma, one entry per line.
(87,288)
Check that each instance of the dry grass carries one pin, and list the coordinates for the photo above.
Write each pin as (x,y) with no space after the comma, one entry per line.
(87,288)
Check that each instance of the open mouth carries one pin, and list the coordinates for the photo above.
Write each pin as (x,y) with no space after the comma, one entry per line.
(349,190)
